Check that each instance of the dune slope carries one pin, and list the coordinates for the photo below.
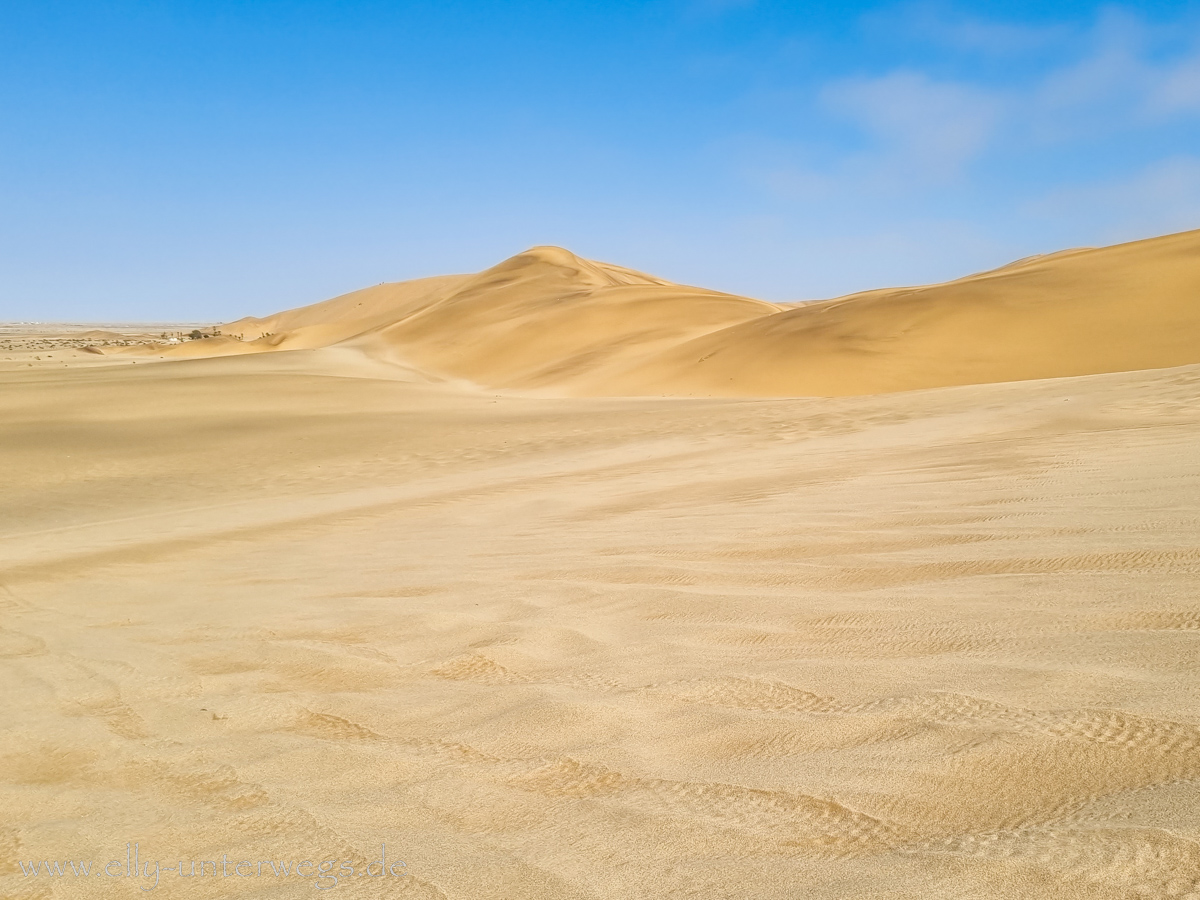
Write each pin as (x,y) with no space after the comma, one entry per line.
(1116,309)
(331,321)
(547,318)
(549,321)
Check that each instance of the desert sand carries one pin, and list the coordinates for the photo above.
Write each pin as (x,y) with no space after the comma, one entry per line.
(564,581)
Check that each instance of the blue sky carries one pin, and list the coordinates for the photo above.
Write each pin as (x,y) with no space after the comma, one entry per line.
(204,160)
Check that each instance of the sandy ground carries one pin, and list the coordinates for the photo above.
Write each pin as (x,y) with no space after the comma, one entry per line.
(293,605)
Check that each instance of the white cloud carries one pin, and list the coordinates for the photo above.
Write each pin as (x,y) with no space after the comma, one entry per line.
(920,126)
(1111,72)
(922,132)
(935,24)
(1177,89)
(1126,80)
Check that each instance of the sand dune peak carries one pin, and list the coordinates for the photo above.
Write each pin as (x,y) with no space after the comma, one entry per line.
(550,321)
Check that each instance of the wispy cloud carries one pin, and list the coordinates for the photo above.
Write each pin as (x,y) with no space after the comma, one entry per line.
(916,130)
(919,126)
(940,25)
(1178,89)
(1129,76)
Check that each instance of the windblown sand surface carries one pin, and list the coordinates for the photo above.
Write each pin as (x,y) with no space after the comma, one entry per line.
(291,605)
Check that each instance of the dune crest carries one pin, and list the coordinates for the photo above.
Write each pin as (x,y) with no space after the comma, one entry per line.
(549,321)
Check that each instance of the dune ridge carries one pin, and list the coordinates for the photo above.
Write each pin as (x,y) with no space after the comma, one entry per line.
(549,321)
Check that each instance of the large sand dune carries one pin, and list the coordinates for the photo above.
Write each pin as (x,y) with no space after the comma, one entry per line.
(547,320)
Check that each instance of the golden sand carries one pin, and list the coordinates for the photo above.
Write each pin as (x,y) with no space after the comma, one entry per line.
(940,643)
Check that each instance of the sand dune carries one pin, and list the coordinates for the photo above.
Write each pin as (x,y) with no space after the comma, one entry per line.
(541,319)
(1082,312)
(546,318)
(551,322)
(351,314)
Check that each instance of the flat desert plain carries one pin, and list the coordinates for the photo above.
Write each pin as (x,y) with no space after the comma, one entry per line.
(562,581)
